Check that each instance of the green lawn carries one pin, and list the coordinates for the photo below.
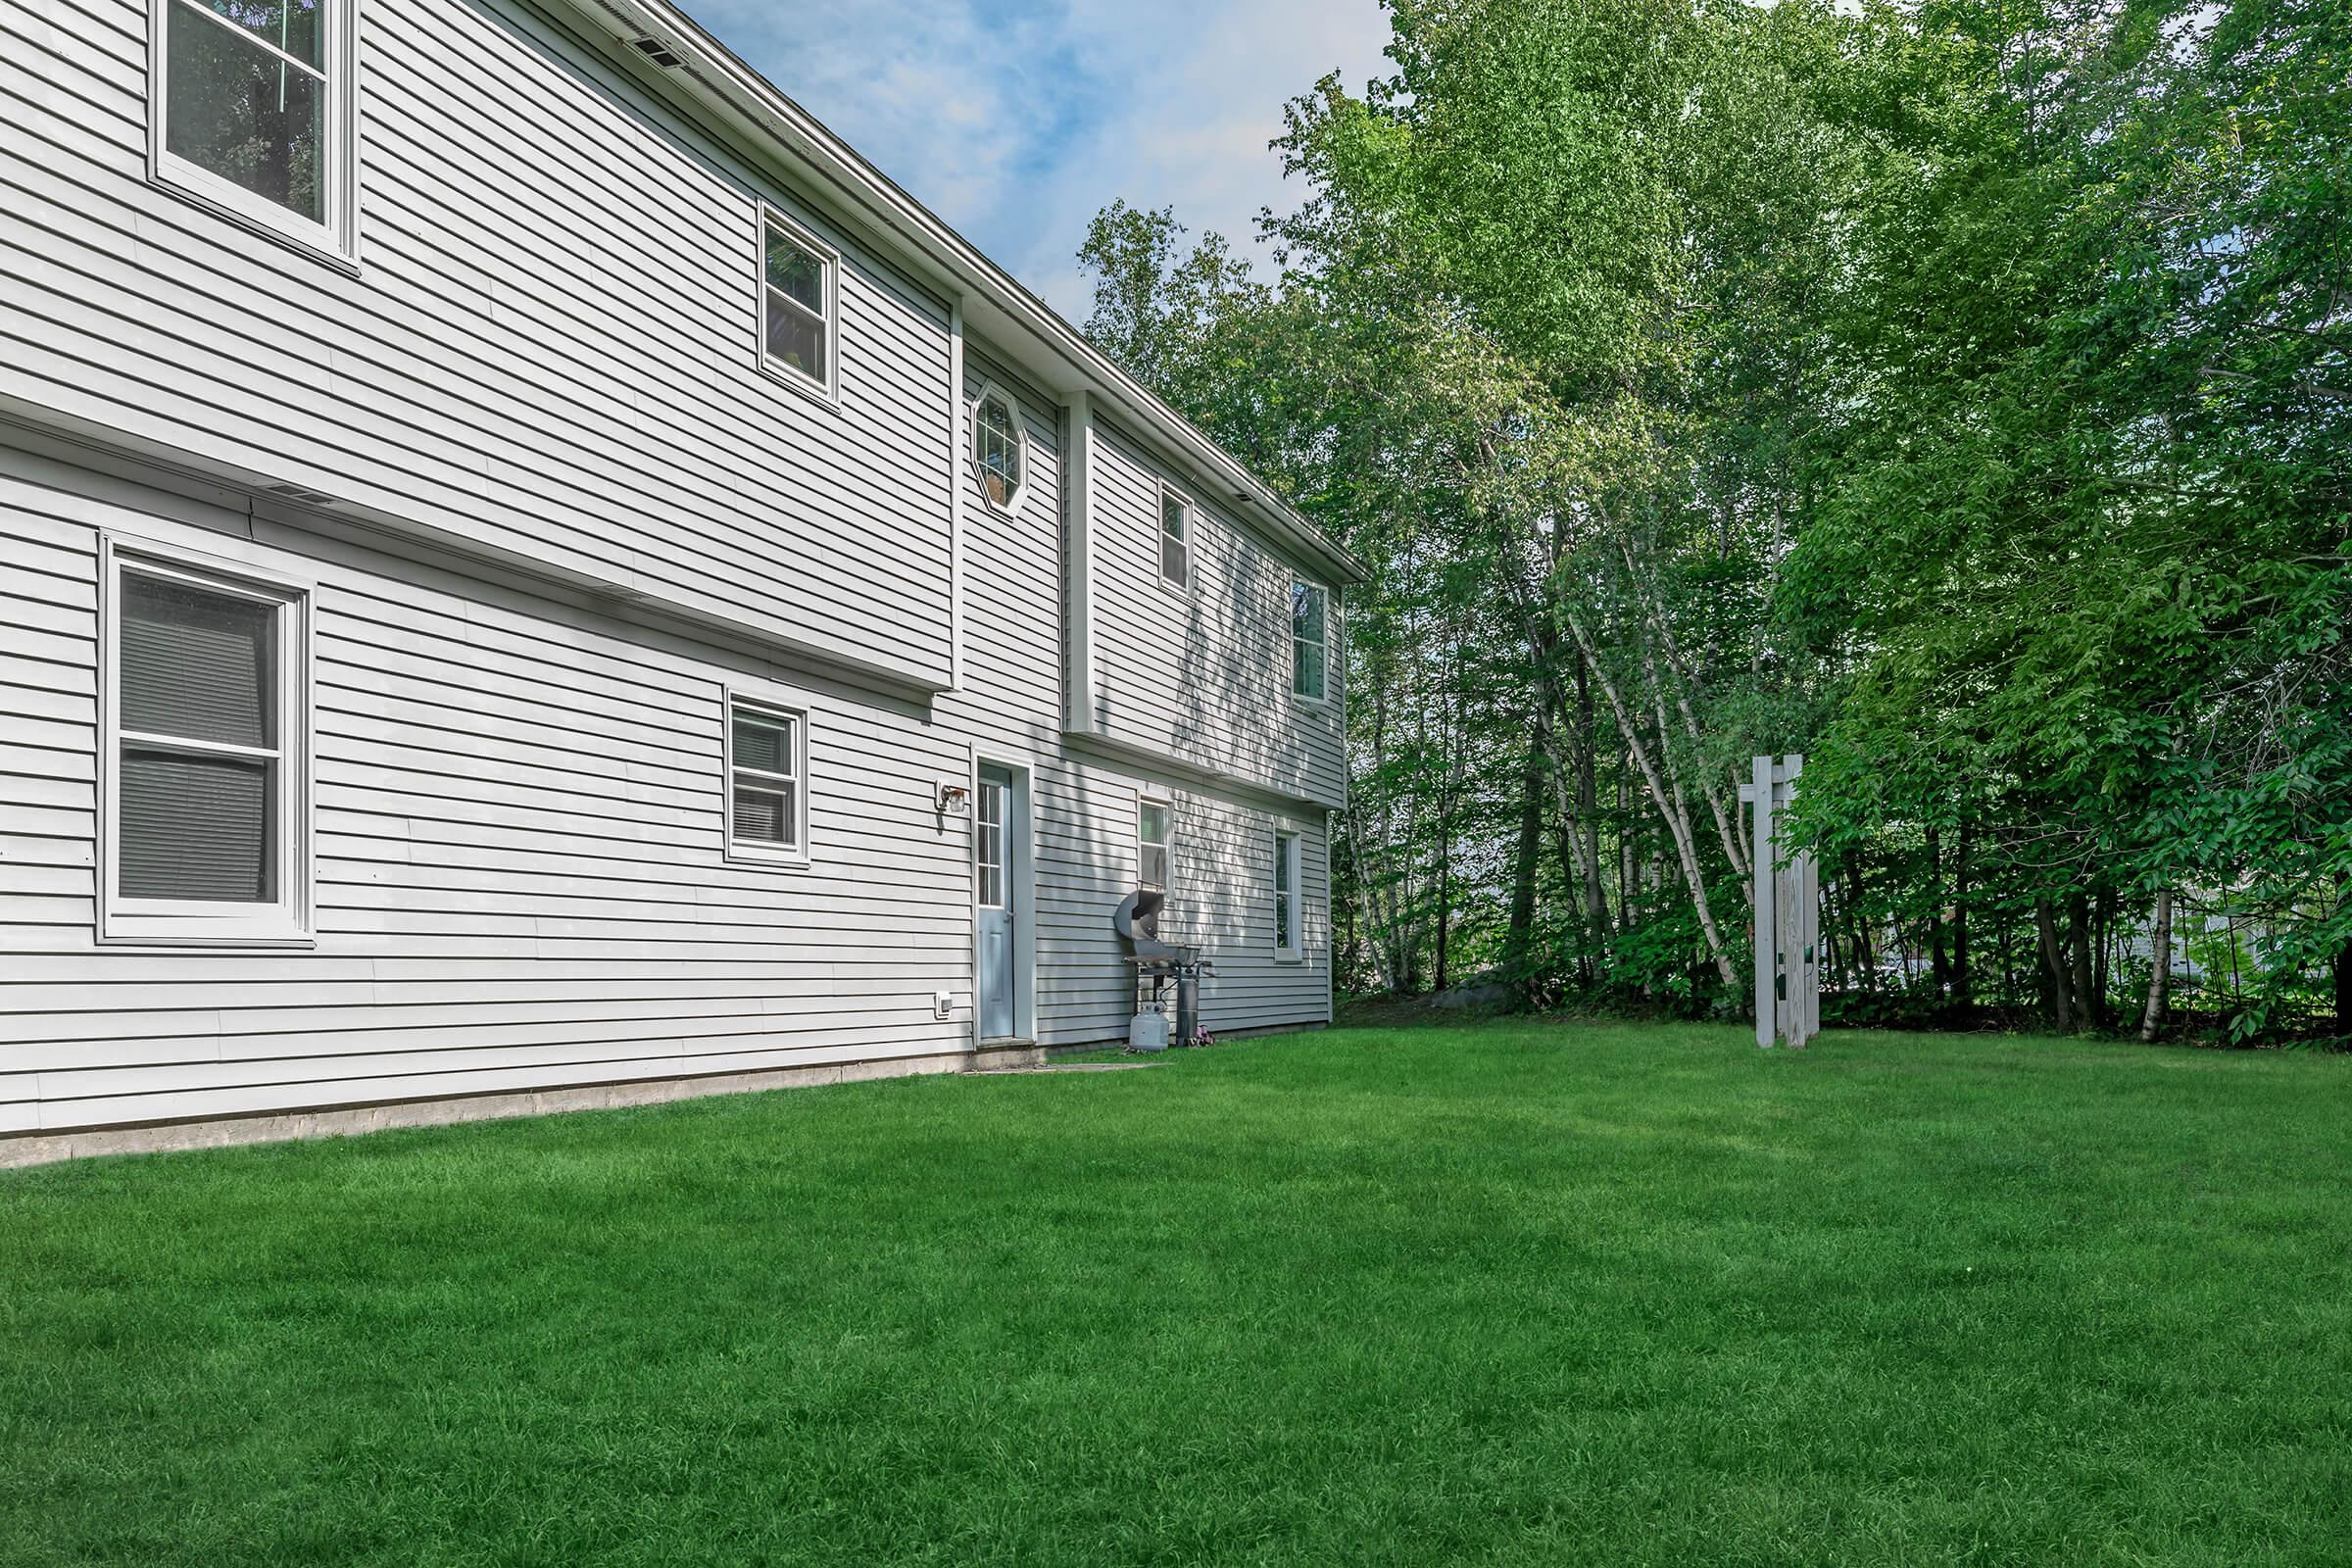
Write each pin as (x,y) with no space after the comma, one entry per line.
(1534,1295)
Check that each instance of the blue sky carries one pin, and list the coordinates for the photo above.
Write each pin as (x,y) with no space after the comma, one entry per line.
(1016,123)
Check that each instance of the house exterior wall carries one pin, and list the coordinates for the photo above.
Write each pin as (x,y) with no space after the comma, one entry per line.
(1202,673)
(549,349)
(520,870)
(571,513)
(1084,802)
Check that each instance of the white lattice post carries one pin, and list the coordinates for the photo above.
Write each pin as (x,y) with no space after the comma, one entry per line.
(1787,906)
(1767,953)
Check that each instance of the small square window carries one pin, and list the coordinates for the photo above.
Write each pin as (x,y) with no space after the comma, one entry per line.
(796,305)
(766,800)
(1175,539)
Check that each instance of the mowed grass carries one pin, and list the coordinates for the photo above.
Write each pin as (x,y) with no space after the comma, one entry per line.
(1518,1293)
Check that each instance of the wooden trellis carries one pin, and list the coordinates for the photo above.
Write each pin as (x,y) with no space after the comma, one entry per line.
(1787,906)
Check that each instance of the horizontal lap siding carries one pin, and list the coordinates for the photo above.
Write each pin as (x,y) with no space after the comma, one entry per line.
(519,871)
(1202,673)
(1083,808)
(551,348)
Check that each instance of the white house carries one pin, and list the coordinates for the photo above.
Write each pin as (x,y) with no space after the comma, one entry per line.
(515,544)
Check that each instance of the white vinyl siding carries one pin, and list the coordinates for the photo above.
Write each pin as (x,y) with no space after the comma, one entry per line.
(204,773)
(1206,679)
(550,358)
(518,864)
(251,109)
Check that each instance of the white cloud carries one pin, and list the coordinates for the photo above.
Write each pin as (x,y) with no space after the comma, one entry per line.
(1016,125)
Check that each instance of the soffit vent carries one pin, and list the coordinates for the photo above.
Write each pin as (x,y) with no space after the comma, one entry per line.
(657,52)
(295,492)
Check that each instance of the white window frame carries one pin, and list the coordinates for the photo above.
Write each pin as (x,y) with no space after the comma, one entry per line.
(199,923)
(1290,631)
(1166,845)
(983,791)
(827,388)
(1290,857)
(1020,440)
(757,707)
(336,240)
(1192,540)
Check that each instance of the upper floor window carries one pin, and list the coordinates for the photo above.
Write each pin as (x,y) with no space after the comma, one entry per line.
(797,304)
(1175,538)
(251,109)
(1311,647)
(999,447)
(204,776)
(766,765)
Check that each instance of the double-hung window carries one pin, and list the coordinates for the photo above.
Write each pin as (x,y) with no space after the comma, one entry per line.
(252,110)
(1287,943)
(204,776)
(1310,643)
(1154,828)
(1175,539)
(796,305)
(767,802)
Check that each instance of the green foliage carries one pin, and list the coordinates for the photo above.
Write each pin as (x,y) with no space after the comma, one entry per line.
(1958,393)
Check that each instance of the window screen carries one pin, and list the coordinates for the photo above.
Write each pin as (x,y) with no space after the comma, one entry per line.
(196,786)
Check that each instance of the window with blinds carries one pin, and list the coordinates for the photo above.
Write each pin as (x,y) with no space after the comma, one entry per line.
(203,756)
(766,807)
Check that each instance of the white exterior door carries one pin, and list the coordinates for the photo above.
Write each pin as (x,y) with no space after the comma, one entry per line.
(995,840)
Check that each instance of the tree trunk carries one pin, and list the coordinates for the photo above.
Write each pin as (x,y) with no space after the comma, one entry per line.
(1587,808)
(2055,984)
(2160,966)
(2087,995)
(2343,965)
(1519,945)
